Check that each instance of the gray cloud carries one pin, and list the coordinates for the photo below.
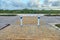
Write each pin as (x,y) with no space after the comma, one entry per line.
(11,4)
(34,4)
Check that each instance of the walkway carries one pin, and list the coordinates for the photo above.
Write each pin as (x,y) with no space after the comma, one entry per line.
(30,32)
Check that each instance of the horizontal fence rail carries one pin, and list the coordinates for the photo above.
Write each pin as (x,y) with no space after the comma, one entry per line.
(38,16)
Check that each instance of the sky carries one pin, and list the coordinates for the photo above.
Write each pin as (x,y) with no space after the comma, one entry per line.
(20,4)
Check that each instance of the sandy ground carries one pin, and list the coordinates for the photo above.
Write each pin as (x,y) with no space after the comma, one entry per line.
(29,31)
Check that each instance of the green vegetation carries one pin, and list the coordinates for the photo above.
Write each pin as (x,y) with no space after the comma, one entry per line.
(8,15)
(52,15)
(25,11)
(58,25)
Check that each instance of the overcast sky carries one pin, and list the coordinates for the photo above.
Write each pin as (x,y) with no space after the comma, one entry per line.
(20,4)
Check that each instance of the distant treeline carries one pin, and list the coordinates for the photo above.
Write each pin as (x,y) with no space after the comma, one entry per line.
(29,11)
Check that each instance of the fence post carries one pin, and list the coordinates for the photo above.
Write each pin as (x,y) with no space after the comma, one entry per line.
(21,19)
(38,20)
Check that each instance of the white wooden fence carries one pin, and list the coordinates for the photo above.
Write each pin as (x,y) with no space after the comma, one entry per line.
(38,16)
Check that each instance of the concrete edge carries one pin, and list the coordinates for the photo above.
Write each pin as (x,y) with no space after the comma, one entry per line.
(53,24)
(30,14)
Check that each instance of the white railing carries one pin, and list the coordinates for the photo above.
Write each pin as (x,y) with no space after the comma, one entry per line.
(37,15)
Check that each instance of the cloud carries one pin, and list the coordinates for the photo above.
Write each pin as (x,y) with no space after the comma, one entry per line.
(53,0)
(34,3)
(19,4)
(55,3)
(11,4)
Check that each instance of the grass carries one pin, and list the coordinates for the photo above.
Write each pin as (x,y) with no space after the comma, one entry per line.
(58,25)
(52,15)
(26,11)
(7,15)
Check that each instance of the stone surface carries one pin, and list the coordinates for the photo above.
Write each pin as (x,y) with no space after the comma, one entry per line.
(29,31)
